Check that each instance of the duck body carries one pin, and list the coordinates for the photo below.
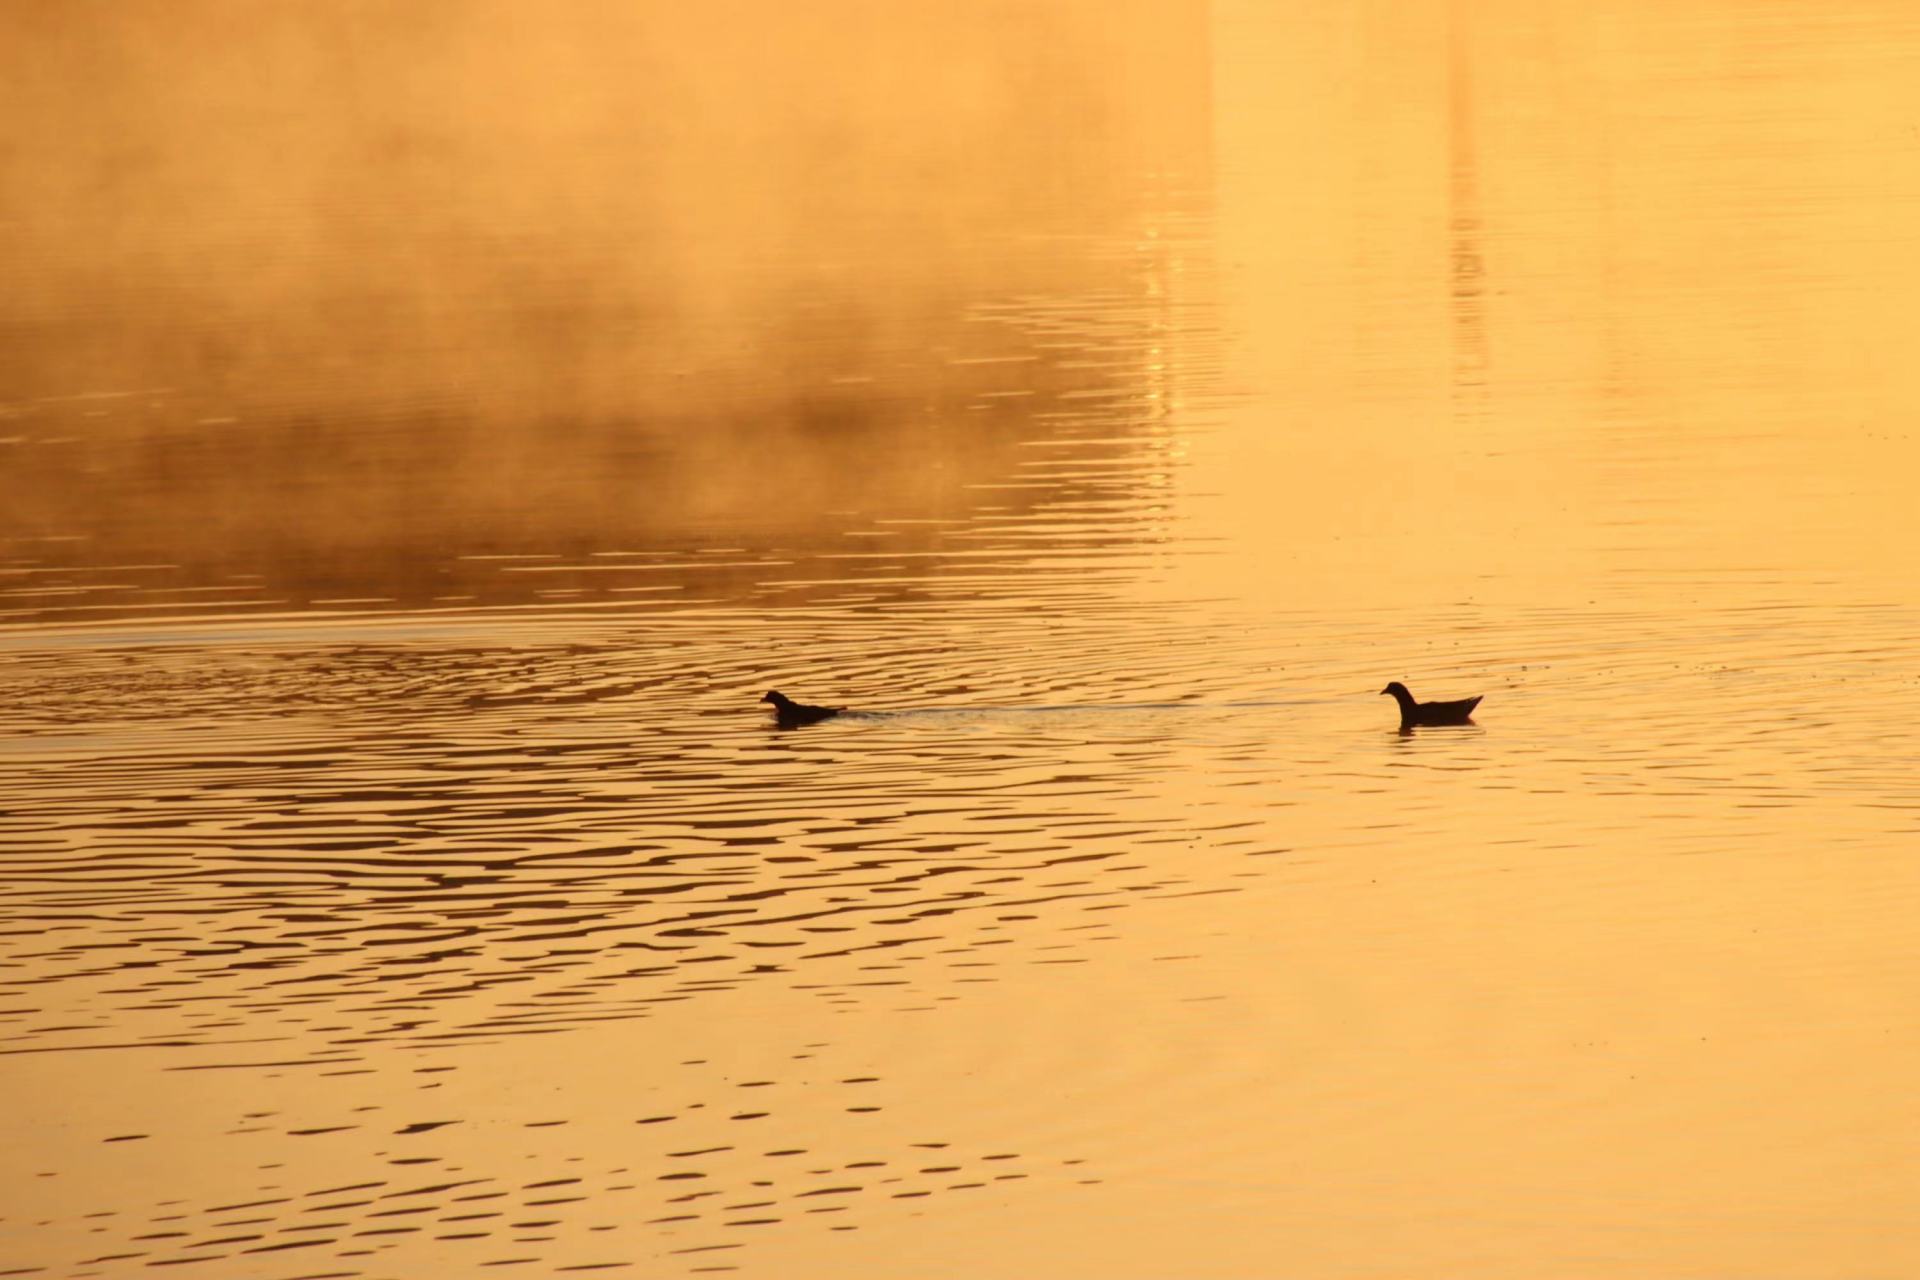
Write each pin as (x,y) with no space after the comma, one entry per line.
(1414,713)
(789,714)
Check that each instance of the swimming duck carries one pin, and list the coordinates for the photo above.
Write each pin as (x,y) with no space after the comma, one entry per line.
(1413,713)
(789,714)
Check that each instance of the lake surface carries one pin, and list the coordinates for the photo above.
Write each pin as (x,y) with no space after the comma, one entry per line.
(424,439)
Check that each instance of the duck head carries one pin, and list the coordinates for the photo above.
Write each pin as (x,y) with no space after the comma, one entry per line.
(1399,692)
(777,698)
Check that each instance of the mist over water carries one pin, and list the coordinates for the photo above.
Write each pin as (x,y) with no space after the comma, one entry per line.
(427,431)
(330,302)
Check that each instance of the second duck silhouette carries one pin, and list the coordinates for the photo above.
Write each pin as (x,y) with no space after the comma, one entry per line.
(1418,713)
(789,714)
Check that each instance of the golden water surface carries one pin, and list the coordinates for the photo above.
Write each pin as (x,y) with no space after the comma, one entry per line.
(425,431)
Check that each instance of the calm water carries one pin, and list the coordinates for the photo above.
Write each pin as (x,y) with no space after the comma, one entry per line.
(402,880)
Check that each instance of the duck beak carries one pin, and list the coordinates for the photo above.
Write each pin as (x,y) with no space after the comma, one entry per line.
(1383,692)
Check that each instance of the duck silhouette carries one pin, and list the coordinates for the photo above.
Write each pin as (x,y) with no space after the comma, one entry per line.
(789,714)
(1417,713)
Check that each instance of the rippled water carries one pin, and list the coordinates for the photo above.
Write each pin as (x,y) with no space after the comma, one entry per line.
(402,878)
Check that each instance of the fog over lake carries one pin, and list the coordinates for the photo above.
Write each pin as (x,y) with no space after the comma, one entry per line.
(428,431)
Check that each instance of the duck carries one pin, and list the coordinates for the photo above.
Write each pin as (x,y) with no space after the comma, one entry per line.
(789,714)
(1416,713)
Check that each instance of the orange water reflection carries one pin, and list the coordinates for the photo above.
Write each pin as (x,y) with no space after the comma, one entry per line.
(468,913)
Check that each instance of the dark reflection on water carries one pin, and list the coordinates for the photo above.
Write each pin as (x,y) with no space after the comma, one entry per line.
(374,827)
(370,851)
(654,336)
(498,459)
(694,1194)
(1035,406)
